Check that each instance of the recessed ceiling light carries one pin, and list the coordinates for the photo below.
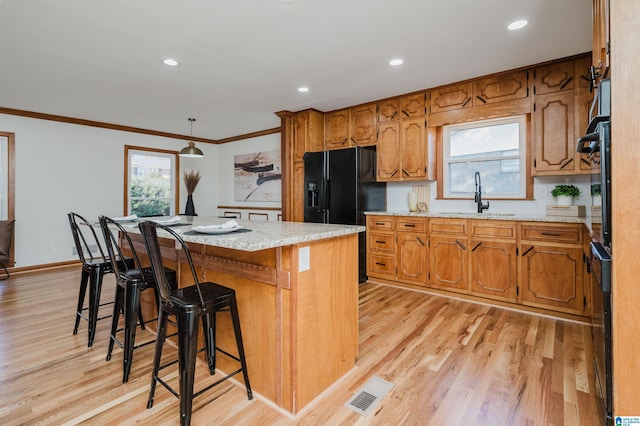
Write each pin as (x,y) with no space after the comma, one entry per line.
(303,89)
(396,62)
(171,62)
(516,25)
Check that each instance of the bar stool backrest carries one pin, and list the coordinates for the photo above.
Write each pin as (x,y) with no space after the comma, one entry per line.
(114,249)
(83,240)
(150,235)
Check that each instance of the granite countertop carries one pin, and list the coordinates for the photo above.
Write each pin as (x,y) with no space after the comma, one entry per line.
(487,215)
(261,235)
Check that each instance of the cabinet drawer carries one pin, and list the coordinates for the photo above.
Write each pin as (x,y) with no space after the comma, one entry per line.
(493,229)
(381,266)
(559,234)
(412,225)
(382,242)
(448,226)
(381,223)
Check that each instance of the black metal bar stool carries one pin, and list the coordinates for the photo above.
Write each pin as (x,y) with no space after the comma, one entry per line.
(131,281)
(94,268)
(189,304)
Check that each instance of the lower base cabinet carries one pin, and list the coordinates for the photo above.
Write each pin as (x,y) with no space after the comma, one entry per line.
(535,264)
(551,277)
(492,270)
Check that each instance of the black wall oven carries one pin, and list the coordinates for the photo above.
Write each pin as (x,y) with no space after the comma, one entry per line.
(597,142)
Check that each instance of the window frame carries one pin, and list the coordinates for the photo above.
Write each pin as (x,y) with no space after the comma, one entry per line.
(11,187)
(526,179)
(176,182)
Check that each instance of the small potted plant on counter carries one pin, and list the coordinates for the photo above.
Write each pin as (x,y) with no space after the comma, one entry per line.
(564,194)
(596,196)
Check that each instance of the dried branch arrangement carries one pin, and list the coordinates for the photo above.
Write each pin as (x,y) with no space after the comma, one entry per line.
(191,180)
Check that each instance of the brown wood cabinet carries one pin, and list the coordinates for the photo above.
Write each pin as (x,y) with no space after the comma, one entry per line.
(412,250)
(551,266)
(501,88)
(381,247)
(451,97)
(534,264)
(559,118)
(448,246)
(493,259)
(482,91)
(403,151)
(556,77)
(308,133)
(336,129)
(363,127)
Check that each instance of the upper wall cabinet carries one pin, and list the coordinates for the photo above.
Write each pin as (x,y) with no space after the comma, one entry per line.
(490,90)
(351,127)
(308,132)
(405,107)
(363,128)
(560,115)
(554,78)
(507,87)
(336,129)
(451,97)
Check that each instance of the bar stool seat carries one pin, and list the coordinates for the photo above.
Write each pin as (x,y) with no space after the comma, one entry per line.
(191,305)
(131,281)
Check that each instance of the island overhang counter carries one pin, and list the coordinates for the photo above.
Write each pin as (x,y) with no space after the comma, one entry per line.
(297,290)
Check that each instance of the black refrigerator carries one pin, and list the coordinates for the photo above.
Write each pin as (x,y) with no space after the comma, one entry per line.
(339,186)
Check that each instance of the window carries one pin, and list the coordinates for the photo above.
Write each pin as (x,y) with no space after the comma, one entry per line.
(495,148)
(151,181)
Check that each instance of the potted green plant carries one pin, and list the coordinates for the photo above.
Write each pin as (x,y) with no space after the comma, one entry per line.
(564,194)
(596,195)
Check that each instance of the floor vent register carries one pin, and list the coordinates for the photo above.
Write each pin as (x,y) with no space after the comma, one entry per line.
(366,399)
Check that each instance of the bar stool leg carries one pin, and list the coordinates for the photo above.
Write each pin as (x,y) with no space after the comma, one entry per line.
(131,309)
(233,308)
(115,318)
(95,285)
(160,336)
(187,349)
(209,326)
(84,279)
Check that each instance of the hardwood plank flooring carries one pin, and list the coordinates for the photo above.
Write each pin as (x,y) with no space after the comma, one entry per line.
(452,362)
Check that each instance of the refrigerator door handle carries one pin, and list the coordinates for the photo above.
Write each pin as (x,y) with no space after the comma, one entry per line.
(328,192)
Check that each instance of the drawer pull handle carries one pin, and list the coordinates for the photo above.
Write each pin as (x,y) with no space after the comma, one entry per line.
(528,250)
(379,223)
(381,264)
(409,225)
(381,242)
(460,245)
(550,234)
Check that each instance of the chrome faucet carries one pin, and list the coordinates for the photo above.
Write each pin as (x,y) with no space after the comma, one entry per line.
(478,197)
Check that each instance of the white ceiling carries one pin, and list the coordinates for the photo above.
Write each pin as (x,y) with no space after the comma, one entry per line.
(242,60)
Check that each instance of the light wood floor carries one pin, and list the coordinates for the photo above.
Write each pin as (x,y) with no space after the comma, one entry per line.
(451,362)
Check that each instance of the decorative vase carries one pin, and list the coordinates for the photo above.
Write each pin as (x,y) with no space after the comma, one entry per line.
(564,200)
(190,210)
(413,201)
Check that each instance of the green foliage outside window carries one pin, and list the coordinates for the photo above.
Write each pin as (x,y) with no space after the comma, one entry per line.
(150,195)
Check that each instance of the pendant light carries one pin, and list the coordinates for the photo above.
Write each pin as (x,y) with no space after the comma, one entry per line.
(191,150)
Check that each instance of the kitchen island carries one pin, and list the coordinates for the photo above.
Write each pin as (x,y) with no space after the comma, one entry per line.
(297,292)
